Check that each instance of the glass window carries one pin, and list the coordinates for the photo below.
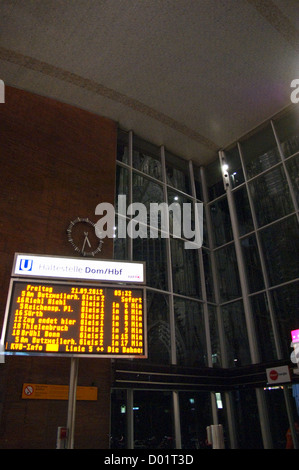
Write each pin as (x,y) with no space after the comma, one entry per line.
(214,334)
(252,263)
(271,196)
(234,167)
(189,333)
(153,252)
(247,419)
(286,305)
(146,191)
(260,152)
(118,419)
(228,274)
(235,331)
(123,146)
(205,241)
(120,247)
(208,275)
(177,173)
(278,417)
(195,416)
(185,269)
(177,198)
(153,424)
(214,180)
(243,211)
(221,224)
(292,166)
(146,158)
(158,328)
(263,327)
(197,182)
(281,250)
(122,185)
(287,129)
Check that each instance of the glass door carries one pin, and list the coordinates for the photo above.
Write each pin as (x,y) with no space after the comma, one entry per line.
(153,420)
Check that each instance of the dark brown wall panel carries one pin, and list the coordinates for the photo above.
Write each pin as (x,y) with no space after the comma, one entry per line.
(57,163)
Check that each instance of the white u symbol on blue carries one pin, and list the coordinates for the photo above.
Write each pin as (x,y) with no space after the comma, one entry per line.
(26,264)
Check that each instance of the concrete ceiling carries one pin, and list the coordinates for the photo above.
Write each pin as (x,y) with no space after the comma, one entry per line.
(193,75)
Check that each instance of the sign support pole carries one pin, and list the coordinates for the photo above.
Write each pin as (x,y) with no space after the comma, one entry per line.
(72,402)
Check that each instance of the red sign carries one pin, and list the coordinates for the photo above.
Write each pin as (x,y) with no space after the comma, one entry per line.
(280,374)
(273,374)
(62,433)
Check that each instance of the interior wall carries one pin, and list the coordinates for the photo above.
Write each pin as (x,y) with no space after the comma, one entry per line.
(57,163)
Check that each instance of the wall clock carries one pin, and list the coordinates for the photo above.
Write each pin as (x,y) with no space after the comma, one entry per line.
(81,235)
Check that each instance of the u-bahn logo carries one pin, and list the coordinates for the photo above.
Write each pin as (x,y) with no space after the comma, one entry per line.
(26,264)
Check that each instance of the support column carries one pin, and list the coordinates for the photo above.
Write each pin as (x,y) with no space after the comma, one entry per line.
(72,402)
(224,361)
(177,422)
(254,354)
(173,356)
(130,419)
(251,332)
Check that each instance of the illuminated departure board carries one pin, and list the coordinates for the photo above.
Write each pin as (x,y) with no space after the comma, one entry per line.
(75,319)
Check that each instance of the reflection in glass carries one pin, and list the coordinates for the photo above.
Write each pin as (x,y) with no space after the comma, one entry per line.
(214,335)
(243,211)
(205,241)
(208,275)
(177,173)
(287,129)
(247,419)
(146,158)
(179,216)
(234,167)
(120,248)
(153,252)
(118,438)
(146,191)
(221,224)
(260,152)
(236,340)
(195,416)
(122,185)
(252,263)
(228,274)
(153,427)
(281,250)
(190,333)
(122,146)
(278,416)
(185,269)
(158,329)
(214,180)
(271,196)
(197,182)
(292,166)
(263,327)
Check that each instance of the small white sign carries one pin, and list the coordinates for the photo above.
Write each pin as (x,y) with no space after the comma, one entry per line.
(2,92)
(44,266)
(278,375)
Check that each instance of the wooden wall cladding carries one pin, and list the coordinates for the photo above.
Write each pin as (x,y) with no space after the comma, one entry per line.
(57,163)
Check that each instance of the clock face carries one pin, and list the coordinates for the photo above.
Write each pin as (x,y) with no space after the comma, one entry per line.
(81,235)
